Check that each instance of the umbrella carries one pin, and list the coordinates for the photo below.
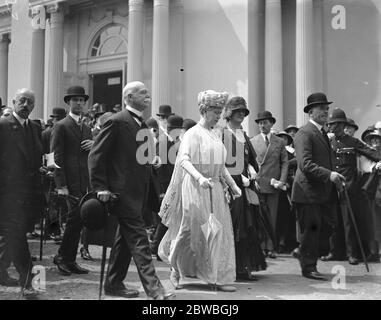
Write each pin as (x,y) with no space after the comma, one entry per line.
(212,230)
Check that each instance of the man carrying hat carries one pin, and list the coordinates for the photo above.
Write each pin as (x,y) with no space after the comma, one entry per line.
(115,167)
(273,164)
(314,193)
(71,142)
(164,112)
(346,149)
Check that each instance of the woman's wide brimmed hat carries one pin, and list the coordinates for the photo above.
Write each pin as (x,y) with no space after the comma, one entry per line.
(285,134)
(291,127)
(263,115)
(337,115)
(366,132)
(375,133)
(75,91)
(316,99)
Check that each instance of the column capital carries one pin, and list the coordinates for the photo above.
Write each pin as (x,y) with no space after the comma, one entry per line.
(54,8)
(164,3)
(135,5)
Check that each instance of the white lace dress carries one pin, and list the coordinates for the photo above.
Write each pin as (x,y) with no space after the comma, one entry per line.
(186,208)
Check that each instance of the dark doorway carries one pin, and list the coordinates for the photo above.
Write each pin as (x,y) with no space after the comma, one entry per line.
(108,89)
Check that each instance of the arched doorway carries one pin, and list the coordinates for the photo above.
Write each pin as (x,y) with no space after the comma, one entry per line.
(106,65)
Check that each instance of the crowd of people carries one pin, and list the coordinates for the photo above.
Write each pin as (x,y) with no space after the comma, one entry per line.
(204,197)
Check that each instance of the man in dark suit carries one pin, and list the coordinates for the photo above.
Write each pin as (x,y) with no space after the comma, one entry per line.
(314,192)
(273,164)
(57,115)
(118,165)
(20,188)
(71,142)
(166,149)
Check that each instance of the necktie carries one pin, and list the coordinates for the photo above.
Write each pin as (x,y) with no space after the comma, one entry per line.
(267,141)
(325,136)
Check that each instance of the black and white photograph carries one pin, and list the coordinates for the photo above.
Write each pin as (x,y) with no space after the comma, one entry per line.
(205,151)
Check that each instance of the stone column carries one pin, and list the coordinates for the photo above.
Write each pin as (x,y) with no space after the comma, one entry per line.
(273,61)
(256,62)
(160,81)
(37,72)
(304,57)
(4,49)
(135,40)
(55,67)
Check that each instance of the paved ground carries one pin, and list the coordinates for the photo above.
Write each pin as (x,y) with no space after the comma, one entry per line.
(281,280)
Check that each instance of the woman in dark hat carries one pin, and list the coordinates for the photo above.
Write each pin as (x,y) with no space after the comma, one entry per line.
(286,223)
(248,253)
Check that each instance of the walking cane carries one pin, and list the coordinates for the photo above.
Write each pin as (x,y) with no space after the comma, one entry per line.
(355,226)
(104,253)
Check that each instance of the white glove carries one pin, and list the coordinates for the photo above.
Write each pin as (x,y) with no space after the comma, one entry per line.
(252,173)
(245,181)
(205,182)
(236,191)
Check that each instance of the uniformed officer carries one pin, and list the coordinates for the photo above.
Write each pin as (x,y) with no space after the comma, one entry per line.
(346,149)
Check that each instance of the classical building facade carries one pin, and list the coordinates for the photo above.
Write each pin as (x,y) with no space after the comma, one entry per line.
(272,52)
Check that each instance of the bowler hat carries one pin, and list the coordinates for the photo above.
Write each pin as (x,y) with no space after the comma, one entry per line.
(93,212)
(285,134)
(75,91)
(337,115)
(58,113)
(352,123)
(174,122)
(315,99)
(263,115)
(188,123)
(291,127)
(165,110)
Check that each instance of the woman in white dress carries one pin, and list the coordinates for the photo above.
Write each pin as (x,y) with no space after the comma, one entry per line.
(196,245)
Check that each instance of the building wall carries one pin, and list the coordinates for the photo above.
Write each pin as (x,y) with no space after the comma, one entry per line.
(352,60)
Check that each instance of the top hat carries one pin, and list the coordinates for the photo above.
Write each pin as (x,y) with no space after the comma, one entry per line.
(165,110)
(337,115)
(188,123)
(152,123)
(234,104)
(291,127)
(93,212)
(75,91)
(58,113)
(315,99)
(352,123)
(285,134)
(174,122)
(263,115)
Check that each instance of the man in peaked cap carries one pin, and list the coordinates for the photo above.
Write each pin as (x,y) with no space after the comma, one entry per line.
(346,149)
(71,142)
(351,127)
(273,164)
(313,193)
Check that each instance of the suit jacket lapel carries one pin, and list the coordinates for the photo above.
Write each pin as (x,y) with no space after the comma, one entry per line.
(319,135)
(18,131)
(131,124)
